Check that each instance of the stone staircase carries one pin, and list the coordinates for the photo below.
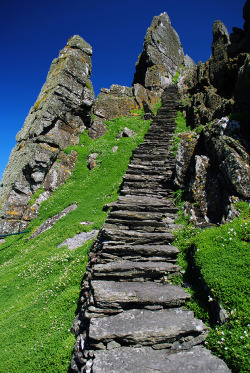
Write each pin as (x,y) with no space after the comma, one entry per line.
(132,318)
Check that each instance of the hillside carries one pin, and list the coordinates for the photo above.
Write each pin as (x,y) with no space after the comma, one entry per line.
(67,170)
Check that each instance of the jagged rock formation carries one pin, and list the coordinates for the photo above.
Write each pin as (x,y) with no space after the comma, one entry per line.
(219,86)
(62,111)
(64,108)
(132,318)
(161,57)
(213,160)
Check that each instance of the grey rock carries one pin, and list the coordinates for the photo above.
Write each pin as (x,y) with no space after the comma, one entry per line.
(145,251)
(97,129)
(125,269)
(78,240)
(61,113)
(51,221)
(114,102)
(111,294)
(136,237)
(147,360)
(126,133)
(91,161)
(150,328)
(161,56)
(60,171)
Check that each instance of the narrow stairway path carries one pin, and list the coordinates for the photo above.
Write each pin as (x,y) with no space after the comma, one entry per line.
(132,319)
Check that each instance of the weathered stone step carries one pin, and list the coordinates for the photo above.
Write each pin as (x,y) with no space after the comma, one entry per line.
(173,329)
(131,270)
(168,252)
(125,295)
(143,177)
(157,201)
(141,207)
(134,237)
(147,360)
(149,172)
(149,156)
(135,215)
(154,186)
(147,192)
(144,225)
(152,163)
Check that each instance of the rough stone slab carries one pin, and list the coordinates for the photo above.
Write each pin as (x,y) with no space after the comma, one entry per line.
(109,294)
(126,269)
(137,237)
(165,251)
(174,328)
(51,221)
(147,360)
(135,215)
(78,240)
(136,224)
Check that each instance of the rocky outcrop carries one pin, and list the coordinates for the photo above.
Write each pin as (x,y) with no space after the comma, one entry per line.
(219,86)
(240,39)
(161,57)
(114,102)
(62,111)
(213,168)
(212,162)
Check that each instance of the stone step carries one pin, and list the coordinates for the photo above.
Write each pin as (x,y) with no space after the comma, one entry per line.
(132,270)
(153,186)
(166,252)
(143,177)
(152,163)
(136,238)
(149,156)
(127,295)
(173,329)
(140,172)
(141,207)
(135,215)
(146,192)
(147,360)
(142,226)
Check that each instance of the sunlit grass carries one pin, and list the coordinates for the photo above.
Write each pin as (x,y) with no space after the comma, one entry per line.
(222,257)
(40,283)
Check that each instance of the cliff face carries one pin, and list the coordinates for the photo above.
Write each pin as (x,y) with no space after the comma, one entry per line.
(215,171)
(62,111)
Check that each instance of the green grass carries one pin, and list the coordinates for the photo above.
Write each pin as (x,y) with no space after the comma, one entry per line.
(40,283)
(222,257)
(181,126)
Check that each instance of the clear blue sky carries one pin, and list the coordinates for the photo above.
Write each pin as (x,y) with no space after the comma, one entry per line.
(33,32)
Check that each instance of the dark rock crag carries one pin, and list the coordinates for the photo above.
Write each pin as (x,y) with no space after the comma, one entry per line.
(213,160)
(132,318)
(62,111)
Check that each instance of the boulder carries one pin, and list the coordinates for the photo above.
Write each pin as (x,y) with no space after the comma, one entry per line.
(97,129)
(161,57)
(91,161)
(185,156)
(114,102)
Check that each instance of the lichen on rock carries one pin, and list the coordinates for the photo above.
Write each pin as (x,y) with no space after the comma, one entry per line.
(61,113)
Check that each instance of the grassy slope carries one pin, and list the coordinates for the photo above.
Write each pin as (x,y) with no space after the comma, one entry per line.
(222,256)
(40,283)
